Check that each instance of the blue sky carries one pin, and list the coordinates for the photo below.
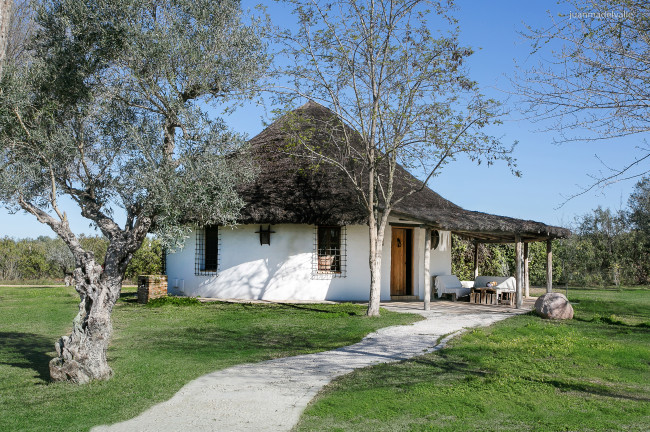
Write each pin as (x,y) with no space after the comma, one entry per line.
(550,171)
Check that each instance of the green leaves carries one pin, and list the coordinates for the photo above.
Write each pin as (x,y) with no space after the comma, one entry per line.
(117,109)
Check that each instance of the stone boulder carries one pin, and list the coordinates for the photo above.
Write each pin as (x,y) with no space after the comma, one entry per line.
(554,306)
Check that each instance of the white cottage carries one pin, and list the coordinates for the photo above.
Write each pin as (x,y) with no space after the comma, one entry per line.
(302,234)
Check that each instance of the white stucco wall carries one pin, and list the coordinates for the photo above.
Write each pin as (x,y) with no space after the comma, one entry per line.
(283,269)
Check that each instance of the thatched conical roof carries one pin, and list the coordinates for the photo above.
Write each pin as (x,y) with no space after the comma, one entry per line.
(288,188)
(291,188)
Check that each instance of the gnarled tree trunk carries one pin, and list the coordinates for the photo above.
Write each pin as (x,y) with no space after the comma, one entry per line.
(82,354)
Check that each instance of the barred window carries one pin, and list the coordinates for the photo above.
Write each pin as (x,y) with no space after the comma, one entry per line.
(330,251)
(206,255)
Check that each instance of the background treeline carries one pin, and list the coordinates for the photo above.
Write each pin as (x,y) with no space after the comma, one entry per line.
(47,258)
(607,248)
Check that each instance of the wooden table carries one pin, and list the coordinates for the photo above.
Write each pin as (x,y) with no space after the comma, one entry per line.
(491,296)
(483,296)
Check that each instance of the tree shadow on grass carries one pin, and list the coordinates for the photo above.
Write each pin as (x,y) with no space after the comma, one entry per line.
(435,367)
(192,338)
(27,351)
(611,320)
(129,300)
(315,308)
(130,297)
(589,388)
(612,307)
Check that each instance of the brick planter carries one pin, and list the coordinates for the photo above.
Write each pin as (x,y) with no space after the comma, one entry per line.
(151,287)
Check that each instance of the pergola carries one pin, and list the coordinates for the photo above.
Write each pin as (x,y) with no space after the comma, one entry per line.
(519,232)
(522,275)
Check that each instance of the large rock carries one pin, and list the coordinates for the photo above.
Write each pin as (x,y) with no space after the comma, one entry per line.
(554,306)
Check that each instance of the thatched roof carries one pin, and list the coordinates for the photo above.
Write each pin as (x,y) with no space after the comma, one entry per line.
(290,189)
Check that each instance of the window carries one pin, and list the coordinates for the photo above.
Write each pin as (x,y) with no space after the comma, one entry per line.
(206,257)
(330,251)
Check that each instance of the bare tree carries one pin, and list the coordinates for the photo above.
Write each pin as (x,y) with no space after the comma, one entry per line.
(593,79)
(386,74)
(5,18)
(22,26)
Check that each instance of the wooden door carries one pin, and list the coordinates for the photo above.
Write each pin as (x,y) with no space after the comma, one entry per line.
(398,262)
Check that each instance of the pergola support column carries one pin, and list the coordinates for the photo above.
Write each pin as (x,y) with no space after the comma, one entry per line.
(518,271)
(476,259)
(526,273)
(427,275)
(549,266)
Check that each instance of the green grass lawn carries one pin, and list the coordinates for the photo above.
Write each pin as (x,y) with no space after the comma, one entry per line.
(522,374)
(155,351)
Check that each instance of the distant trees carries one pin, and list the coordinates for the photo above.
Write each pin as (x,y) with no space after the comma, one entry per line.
(494,259)
(147,260)
(639,207)
(600,253)
(47,258)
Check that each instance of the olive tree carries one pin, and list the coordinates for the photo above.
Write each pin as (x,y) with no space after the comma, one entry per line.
(118,110)
(386,72)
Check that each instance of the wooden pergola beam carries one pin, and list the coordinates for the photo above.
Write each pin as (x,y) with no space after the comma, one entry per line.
(500,238)
(518,270)
(476,259)
(549,266)
(427,273)
(526,273)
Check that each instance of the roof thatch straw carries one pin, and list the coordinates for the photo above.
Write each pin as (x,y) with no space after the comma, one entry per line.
(294,188)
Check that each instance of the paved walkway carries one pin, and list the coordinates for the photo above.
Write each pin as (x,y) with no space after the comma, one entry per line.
(270,396)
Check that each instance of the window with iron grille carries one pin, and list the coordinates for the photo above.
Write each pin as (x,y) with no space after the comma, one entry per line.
(206,256)
(330,257)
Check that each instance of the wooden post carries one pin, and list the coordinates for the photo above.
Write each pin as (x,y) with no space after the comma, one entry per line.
(427,276)
(475,260)
(526,273)
(518,275)
(549,266)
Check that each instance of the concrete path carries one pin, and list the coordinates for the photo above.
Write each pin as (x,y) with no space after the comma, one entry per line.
(270,396)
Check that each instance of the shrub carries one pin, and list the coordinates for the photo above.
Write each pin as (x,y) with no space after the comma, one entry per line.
(174,301)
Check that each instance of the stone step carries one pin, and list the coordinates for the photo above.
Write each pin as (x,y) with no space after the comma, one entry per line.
(404,298)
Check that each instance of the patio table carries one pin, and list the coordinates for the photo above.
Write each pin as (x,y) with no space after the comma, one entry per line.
(491,296)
